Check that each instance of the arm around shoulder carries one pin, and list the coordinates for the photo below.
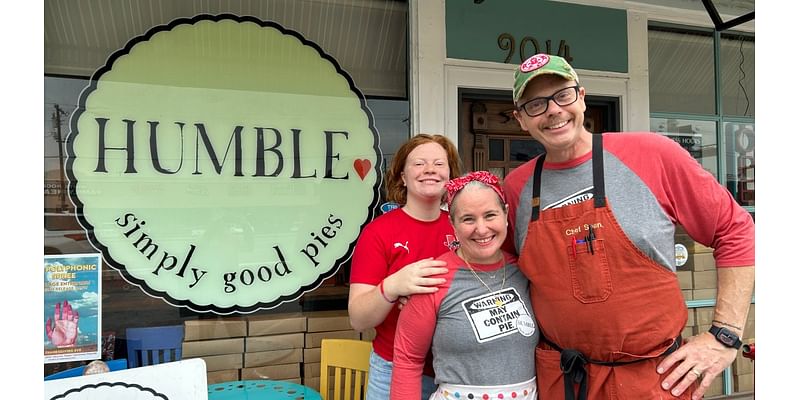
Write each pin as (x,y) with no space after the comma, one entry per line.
(413,338)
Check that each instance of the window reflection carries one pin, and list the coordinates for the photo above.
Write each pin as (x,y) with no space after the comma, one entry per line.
(496,150)
(738,70)
(524,150)
(699,138)
(681,71)
(740,176)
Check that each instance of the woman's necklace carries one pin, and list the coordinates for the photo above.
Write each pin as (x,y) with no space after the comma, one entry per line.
(502,284)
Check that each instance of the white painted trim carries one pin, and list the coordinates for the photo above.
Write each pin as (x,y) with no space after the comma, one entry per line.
(479,75)
(413,65)
(463,74)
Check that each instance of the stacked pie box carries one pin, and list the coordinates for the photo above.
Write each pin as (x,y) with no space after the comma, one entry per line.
(323,325)
(274,347)
(219,342)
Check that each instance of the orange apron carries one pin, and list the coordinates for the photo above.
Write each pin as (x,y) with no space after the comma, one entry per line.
(607,313)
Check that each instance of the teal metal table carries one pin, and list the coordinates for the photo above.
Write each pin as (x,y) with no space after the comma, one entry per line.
(261,390)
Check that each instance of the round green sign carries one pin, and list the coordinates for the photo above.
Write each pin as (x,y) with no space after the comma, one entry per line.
(223,163)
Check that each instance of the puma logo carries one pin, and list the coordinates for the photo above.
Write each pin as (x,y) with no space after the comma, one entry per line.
(405,246)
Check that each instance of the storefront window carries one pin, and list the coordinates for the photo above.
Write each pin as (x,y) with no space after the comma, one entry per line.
(364,41)
(683,101)
(738,75)
(681,71)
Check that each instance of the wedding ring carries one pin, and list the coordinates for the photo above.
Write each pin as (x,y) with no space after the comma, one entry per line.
(696,373)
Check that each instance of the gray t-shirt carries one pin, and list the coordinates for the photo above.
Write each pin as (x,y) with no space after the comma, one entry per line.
(477,342)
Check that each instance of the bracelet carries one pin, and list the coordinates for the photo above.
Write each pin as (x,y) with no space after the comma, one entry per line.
(726,324)
(380,286)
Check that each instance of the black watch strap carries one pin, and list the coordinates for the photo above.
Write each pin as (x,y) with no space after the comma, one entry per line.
(725,336)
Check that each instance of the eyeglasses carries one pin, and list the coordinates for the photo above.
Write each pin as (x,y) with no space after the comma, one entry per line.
(538,106)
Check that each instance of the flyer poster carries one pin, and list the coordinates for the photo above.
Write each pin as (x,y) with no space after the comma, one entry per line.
(71,322)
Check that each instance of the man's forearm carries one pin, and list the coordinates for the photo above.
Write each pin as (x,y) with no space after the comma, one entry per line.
(734,295)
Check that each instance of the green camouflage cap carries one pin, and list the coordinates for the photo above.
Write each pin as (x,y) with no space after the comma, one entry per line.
(541,64)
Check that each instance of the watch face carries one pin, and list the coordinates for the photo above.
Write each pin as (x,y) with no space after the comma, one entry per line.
(726,338)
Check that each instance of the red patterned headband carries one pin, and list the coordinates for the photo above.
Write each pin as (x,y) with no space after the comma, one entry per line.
(455,185)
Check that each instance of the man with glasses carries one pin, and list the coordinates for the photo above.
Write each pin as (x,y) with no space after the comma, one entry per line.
(593,221)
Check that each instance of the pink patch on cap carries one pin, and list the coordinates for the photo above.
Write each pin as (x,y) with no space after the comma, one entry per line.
(535,62)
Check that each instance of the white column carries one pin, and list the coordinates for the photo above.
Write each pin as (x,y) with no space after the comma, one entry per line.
(638,91)
(427,51)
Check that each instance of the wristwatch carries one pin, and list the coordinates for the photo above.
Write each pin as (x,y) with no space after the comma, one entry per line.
(726,337)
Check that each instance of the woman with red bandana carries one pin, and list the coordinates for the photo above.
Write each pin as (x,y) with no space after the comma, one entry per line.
(479,324)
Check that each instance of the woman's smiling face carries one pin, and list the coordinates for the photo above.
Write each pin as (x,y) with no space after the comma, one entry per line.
(426,171)
(480,221)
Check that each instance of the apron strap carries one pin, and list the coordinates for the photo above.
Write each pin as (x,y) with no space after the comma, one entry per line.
(536,196)
(573,367)
(597,171)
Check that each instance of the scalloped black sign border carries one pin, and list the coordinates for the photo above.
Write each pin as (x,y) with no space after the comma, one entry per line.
(109,384)
(90,229)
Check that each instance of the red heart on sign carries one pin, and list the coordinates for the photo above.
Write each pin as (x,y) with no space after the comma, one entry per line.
(362,167)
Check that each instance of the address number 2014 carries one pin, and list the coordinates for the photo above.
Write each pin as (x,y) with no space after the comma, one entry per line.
(529,46)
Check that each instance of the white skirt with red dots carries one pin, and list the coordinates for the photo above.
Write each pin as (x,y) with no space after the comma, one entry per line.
(517,391)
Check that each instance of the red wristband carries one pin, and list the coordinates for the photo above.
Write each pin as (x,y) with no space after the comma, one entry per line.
(380,286)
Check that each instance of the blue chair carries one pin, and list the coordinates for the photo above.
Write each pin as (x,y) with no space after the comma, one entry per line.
(154,345)
(113,365)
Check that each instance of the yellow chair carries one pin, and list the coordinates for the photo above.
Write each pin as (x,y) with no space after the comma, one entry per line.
(349,361)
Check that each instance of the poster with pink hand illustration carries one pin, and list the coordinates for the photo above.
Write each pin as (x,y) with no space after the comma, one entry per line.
(71,322)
